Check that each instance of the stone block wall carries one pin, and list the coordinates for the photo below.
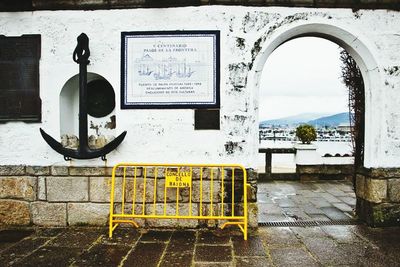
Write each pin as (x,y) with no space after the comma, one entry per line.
(324,172)
(62,196)
(378,196)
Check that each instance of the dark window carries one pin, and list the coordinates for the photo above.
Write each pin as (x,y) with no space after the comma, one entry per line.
(19,78)
(206,119)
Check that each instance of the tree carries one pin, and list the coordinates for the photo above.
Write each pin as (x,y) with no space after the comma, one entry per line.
(306,133)
(353,80)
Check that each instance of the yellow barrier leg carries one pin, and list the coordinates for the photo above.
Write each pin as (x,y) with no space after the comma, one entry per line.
(110,231)
(245,211)
(112,228)
(239,224)
(245,231)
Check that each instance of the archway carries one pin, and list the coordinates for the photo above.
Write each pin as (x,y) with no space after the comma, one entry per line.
(355,46)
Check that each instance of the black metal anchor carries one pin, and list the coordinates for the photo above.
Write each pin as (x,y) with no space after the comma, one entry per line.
(81,56)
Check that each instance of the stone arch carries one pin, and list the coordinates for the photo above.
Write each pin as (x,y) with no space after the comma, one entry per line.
(358,48)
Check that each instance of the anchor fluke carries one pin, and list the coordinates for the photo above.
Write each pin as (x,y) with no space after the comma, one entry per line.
(81,56)
(82,152)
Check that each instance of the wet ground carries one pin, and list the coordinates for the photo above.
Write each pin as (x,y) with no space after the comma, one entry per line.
(269,246)
(329,245)
(288,201)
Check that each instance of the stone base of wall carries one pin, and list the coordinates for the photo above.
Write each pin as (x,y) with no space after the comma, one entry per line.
(324,172)
(378,214)
(313,173)
(378,196)
(291,176)
(62,196)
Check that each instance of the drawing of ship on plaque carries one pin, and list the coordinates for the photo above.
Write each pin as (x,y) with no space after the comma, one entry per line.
(184,70)
(145,63)
(163,69)
(163,72)
(144,70)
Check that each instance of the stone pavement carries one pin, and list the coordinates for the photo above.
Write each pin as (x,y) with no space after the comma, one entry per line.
(330,245)
(305,201)
(274,246)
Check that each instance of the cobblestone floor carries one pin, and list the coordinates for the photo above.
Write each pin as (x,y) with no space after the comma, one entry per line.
(305,201)
(274,246)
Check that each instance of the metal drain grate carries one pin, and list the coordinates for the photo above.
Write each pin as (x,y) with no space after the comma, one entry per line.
(308,223)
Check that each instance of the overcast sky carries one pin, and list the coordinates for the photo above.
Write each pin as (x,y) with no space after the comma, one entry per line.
(302,76)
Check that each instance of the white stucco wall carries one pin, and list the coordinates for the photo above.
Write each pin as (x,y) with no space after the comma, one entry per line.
(372,37)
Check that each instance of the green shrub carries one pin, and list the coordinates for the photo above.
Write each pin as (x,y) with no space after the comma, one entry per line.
(306,133)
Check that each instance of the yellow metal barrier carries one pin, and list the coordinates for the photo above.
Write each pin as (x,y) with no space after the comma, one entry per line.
(188,191)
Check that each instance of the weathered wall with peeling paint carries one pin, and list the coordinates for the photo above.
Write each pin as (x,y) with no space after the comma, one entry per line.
(248,36)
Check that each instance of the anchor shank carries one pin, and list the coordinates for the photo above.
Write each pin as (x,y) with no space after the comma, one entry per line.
(83,116)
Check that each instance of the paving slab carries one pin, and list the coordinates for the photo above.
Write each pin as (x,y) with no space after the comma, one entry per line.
(292,257)
(156,236)
(184,237)
(51,256)
(309,232)
(274,218)
(180,249)
(336,192)
(342,233)
(296,213)
(178,254)
(253,246)
(76,237)
(209,238)
(145,254)
(270,208)
(319,217)
(214,253)
(121,236)
(330,198)
(310,209)
(102,255)
(327,251)
(48,232)
(279,236)
(349,200)
(335,214)
(22,249)
(8,237)
(252,261)
(320,202)
(343,207)
(285,202)
(213,264)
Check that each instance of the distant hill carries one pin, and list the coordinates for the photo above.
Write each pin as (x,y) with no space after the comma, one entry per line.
(316,119)
(333,120)
(294,120)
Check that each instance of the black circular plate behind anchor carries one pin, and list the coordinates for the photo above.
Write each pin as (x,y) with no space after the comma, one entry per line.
(100,98)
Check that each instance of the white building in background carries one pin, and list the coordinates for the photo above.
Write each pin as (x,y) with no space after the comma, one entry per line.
(345,127)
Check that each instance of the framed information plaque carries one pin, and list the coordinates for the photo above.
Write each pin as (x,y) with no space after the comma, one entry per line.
(170,69)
